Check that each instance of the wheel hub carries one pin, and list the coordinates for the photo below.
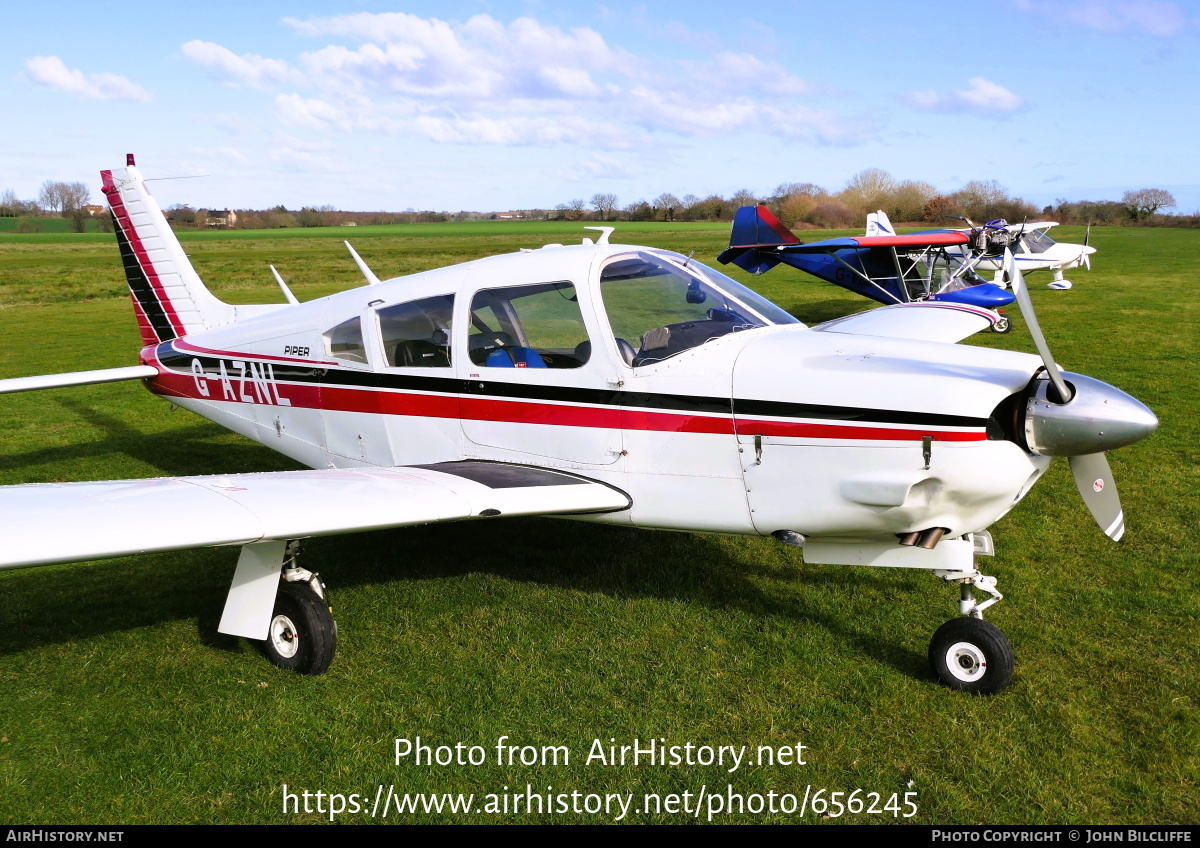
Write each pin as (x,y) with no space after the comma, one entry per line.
(283,636)
(966,662)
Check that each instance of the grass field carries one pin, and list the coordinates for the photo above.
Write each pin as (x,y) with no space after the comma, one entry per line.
(120,703)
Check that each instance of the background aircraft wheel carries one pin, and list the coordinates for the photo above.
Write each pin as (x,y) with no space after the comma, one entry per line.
(1004,325)
(971,655)
(303,634)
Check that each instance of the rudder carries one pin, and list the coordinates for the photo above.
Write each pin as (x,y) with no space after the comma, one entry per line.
(168,296)
(755,227)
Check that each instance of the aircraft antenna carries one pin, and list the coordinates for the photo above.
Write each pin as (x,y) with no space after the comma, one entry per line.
(372,280)
(605,232)
(291,298)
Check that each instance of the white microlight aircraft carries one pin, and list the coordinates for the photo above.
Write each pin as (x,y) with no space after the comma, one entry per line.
(1030,244)
(598,382)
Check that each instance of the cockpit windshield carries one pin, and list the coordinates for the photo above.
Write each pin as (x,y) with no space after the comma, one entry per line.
(662,304)
(1039,241)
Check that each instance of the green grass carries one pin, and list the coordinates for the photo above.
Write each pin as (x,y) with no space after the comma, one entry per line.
(119,701)
(46,227)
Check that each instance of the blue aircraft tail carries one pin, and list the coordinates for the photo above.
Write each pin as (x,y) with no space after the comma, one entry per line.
(755,228)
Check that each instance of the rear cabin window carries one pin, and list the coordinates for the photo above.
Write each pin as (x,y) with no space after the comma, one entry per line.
(345,341)
(538,326)
(417,334)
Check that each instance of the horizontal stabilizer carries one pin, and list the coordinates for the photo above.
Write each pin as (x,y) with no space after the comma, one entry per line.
(77,378)
(750,259)
(126,517)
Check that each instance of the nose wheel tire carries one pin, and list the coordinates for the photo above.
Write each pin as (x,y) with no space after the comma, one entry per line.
(971,655)
(1004,325)
(303,634)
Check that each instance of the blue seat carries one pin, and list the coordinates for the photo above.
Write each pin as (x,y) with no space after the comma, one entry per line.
(514,357)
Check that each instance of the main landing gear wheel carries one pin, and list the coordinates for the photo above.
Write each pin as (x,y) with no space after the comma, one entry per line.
(303,633)
(971,655)
(1004,325)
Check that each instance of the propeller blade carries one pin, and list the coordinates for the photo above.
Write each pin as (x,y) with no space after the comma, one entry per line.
(1098,489)
(1087,260)
(1087,236)
(1022,292)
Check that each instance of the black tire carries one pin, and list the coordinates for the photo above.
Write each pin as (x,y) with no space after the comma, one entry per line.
(1004,325)
(303,634)
(971,655)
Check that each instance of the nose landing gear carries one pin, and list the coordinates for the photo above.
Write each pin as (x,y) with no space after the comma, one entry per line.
(969,654)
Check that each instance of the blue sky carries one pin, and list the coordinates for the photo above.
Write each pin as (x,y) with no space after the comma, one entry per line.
(496,105)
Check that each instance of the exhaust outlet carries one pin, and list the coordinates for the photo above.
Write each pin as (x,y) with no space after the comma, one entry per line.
(929,538)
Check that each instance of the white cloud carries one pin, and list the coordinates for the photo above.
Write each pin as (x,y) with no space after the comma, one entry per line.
(476,60)
(50,72)
(316,114)
(304,162)
(1158,18)
(248,69)
(982,97)
(744,73)
(484,81)
(230,153)
(599,167)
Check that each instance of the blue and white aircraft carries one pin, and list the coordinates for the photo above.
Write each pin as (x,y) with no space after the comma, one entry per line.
(883,266)
(1030,244)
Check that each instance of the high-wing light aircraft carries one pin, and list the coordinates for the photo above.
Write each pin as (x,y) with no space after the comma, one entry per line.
(1030,244)
(884,266)
(598,382)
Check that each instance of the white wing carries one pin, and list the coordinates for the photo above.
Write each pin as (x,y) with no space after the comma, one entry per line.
(66,522)
(927,321)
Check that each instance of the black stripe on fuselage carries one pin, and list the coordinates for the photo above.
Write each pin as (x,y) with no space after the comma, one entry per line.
(139,284)
(180,361)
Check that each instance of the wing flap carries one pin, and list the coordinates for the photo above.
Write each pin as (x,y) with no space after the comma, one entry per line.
(48,523)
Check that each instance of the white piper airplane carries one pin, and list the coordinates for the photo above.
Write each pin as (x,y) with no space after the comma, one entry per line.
(598,382)
(1030,244)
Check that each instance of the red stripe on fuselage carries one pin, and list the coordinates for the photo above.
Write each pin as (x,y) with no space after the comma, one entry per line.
(244,389)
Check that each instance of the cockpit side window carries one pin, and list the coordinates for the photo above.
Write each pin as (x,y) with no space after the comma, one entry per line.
(345,341)
(1039,241)
(538,326)
(417,334)
(659,307)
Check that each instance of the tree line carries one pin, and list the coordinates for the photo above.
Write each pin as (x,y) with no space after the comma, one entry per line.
(797,205)
(55,199)
(912,202)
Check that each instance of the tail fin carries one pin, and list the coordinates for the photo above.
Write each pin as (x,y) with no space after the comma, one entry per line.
(168,296)
(879,225)
(755,227)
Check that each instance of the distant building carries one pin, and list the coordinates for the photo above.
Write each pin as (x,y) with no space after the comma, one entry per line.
(93,210)
(221,218)
(350,224)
